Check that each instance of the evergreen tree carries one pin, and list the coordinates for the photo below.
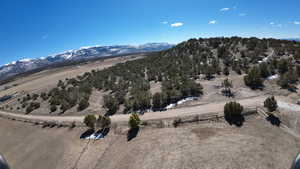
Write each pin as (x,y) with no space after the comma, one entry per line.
(253,79)
(264,70)
(89,121)
(103,122)
(111,104)
(134,121)
(271,104)
(226,71)
(233,112)
(227,84)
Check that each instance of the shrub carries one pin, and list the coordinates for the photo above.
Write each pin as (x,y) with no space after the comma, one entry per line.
(89,121)
(29,110)
(253,79)
(283,66)
(73,125)
(233,112)
(103,122)
(177,122)
(134,120)
(111,104)
(226,71)
(53,108)
(157,101)
(264,70)
(227,84)
(24,105)
(287,79)
(26,98)
(44,96)
(83,104)
(271,104)
(32,106)
(35,96)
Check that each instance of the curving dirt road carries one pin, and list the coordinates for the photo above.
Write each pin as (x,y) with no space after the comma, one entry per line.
(177,112)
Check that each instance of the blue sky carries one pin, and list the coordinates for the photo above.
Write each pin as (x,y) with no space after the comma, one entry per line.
(35,28)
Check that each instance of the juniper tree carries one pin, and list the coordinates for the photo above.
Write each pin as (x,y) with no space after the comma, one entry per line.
(253,78)
(271,104)
(89,121)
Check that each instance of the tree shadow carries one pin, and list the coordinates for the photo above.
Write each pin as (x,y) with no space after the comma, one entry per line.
(103,131)
(236,120)
(258,87)
(87,133)
(292,89)
(132,133)
(273,120)
(227,93)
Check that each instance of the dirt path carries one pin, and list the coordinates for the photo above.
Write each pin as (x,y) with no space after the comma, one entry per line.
(177,112)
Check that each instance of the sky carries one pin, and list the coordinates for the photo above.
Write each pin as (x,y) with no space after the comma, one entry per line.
(36,28)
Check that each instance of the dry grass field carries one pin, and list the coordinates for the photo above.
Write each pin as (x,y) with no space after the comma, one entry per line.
(257,144)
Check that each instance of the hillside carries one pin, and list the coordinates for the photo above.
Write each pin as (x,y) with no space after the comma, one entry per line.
(176,73)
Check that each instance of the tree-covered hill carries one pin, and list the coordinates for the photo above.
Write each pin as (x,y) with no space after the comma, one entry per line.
(177,69)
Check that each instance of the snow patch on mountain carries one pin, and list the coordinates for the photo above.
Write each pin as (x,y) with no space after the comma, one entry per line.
(85,52)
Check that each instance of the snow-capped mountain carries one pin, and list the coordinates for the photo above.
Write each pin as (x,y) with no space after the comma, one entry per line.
(25,65)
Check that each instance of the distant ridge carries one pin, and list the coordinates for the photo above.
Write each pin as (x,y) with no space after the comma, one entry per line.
(83,53)
(293,39)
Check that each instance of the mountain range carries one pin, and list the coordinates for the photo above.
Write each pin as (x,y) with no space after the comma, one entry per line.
(293,39)
(84,53)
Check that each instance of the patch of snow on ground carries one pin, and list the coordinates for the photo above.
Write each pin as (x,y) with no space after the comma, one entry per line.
(186,100)
(95,136)
(170,106)
(273,77)
(181,102)
(289,106)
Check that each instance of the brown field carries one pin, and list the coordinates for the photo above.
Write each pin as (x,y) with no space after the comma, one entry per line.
(257,144)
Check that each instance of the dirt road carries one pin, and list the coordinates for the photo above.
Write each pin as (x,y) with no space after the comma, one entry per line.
(177,112)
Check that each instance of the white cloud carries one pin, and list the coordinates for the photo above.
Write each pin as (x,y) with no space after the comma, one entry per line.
(224,9)
(177,24)
(164,22)
(296,22)
(242,14)
(278,25)
(45,36)
(212,22)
